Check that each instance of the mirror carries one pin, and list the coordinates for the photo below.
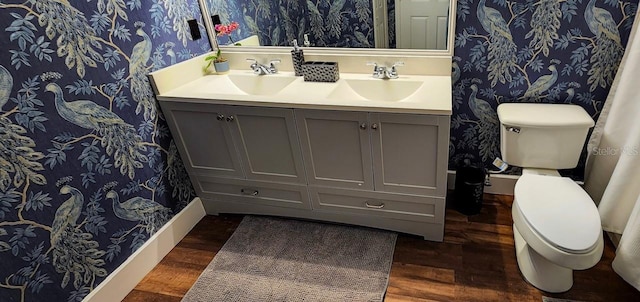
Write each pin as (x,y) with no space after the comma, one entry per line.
(412,25)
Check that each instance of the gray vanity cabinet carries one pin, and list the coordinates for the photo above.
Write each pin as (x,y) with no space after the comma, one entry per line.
(337,148)
(410,153)
(385,170)
(203,137)
(386,152)
(268,143)
(246,155)
(238,141)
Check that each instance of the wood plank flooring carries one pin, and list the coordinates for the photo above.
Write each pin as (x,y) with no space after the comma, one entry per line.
(476,262)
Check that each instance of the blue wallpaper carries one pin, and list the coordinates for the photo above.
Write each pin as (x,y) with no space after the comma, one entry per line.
(551,51)
(332,23)
(88,168)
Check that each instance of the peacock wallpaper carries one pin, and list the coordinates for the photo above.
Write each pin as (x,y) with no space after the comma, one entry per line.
(330,23)
(88,168)
(551,51)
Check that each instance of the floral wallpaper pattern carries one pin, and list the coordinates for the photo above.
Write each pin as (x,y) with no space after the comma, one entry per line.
(332,23)
(88,168)
(551,51)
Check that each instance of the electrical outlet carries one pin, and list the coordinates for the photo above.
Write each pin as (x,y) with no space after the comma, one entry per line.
(195,30)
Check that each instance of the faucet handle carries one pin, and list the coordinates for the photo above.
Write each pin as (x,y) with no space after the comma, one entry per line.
(399,63)
(253,62)
(274,61)
(393,73)
(272,65)
(377,69)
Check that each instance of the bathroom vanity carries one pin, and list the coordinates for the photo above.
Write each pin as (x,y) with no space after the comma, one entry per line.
(360,151)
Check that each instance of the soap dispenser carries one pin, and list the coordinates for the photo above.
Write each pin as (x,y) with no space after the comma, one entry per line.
(297,57)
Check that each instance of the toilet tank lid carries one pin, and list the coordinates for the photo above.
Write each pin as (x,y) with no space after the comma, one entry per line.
(544,115)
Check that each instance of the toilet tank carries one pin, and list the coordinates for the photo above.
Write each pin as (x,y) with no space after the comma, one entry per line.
(548,136)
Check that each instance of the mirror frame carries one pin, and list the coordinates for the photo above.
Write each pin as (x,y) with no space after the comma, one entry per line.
(208,24)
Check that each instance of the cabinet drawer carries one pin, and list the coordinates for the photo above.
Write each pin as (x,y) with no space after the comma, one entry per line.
(253,192)
(406,207)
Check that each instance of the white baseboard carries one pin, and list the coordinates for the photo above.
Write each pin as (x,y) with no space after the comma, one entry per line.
(125,278)
(502,184)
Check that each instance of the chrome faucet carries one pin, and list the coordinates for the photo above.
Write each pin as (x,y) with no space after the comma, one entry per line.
(383,72)
(261,69)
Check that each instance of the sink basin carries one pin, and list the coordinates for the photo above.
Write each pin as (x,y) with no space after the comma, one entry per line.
(376,89)
(260,85)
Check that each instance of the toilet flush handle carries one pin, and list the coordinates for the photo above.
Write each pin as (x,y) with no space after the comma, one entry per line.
(513,129)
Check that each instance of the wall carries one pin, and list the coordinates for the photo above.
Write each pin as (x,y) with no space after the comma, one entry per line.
(551,51)
(332,23)
(88,168)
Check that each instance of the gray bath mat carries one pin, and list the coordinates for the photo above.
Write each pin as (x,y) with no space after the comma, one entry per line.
(272,259)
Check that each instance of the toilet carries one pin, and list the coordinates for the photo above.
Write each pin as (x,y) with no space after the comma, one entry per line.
(556,225)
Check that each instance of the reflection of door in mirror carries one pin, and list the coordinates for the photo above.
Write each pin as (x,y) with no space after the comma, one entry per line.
(422,24)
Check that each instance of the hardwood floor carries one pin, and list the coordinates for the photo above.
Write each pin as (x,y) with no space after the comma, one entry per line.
(476,262)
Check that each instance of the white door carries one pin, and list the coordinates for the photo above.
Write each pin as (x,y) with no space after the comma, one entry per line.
(381,34)
(422,24)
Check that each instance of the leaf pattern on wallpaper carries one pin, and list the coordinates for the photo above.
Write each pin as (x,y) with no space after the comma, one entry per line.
(18,157)
(113,7)
(334,19)
(545,23)
(316,22)
(177,11)
(533,51)
(76,39)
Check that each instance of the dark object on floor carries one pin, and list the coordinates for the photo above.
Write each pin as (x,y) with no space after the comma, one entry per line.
(469,189)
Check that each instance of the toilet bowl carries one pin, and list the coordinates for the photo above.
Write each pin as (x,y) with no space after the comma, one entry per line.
(556,229)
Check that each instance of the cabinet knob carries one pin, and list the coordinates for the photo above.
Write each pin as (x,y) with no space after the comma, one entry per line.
(363,126)
(220,117)
(230,118)
(372,206)
(374,126)
(249,192)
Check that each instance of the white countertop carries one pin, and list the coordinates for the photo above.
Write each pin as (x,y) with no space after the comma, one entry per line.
(433,96)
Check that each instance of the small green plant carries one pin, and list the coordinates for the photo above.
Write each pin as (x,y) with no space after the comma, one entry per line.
(214,58)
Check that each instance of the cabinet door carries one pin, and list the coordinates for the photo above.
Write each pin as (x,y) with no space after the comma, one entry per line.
(203,138)
(268,143)
(410,153)
(336,148)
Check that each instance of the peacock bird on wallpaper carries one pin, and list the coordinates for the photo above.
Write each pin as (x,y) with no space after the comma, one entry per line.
(149,213)
(74,252)
(608,49)
(140,89)
(116,136)
(481,108)
(543,83)
(502,49)
(6,84)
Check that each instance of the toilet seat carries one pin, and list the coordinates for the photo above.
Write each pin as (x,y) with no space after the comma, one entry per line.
(559,211)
